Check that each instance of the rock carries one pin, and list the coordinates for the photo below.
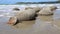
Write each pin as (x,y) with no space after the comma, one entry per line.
(46,11)
(16,9)
(24,16)
(53,8)
(36,8)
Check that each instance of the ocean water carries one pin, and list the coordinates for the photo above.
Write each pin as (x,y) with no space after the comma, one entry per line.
(42,24)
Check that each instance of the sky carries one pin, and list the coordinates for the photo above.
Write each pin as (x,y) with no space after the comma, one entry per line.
(15,1)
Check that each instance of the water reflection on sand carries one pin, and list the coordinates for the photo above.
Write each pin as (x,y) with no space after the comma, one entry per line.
(25,25)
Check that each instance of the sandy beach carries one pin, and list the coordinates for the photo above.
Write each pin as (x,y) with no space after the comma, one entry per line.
(42,25)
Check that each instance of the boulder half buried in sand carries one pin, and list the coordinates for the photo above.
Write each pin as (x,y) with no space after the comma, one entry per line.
(46,11)
(16,9)
(25,15)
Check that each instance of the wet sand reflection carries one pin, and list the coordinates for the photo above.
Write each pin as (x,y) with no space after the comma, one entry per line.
(24,25)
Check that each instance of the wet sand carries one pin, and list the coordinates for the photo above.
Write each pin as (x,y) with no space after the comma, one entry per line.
(42,25)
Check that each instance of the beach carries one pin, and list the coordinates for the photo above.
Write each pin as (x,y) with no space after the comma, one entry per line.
(42,24)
